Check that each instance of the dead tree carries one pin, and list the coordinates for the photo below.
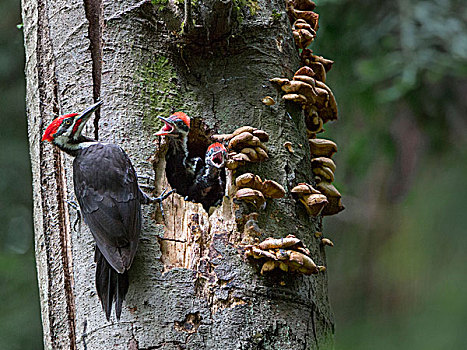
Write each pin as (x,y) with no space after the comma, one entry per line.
(191,286)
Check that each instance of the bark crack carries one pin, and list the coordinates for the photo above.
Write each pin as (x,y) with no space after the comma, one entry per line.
(94,15)
(48,96)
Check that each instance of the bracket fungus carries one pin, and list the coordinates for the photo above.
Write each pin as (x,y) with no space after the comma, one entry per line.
(268,101)
(255,191)
(288,254)
(288,146)
(245,145)
(251,196)
(311,198)
(322,147)
(315,97)
(308,58)
(333,196)
(303,33)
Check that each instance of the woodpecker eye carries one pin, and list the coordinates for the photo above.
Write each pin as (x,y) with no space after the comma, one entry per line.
(67,122)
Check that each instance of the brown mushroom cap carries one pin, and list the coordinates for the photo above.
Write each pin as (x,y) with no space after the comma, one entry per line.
(301,88)
(241,138)
(314,203)
(288,146)
(322,147)
(240,157)
(295,98)
(249,180)
(279,81)
(328,189)
(331,111)
(272,189)
(268,101)
(261,152)
(334,206)
(243,129)
(285,242)
(245,180)
(268,266)
(233,164)
(305,263)
(306,79)
(262,135)
(327,63)
(258,253)
(251,153)
(311,17)
(318,69)
(305,70)
(301,24)
(324,173)
(304,189)
(313,121)
(305,5)
(323,161)
(250,195)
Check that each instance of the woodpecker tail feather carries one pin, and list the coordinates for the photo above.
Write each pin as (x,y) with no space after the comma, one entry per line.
(111,286)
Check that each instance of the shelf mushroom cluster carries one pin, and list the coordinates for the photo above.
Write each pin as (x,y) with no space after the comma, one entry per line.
(304,21)
(245,145)
(308,88)
(323,168)
(315,97)
(252,189)
(313,200)
(288,254)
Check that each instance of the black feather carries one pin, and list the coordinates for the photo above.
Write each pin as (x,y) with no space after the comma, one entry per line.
(110,285)
(107,190)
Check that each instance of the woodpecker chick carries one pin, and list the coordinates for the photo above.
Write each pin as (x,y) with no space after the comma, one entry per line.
(180,169)
(110,199)
(209,185)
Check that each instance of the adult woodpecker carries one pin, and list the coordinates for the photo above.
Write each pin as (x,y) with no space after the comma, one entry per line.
(180,169)
(209,185)
(110,199)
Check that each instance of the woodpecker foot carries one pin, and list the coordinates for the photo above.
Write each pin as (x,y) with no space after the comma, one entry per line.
(75,206)
(160,199)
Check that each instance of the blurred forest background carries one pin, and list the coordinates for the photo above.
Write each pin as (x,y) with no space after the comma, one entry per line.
(398,271)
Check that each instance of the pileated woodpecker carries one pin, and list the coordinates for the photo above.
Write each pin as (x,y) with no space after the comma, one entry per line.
(209,185)
(110,199)
(180,169)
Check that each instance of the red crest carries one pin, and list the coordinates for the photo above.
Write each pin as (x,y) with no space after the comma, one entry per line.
(52,128)
(182,116)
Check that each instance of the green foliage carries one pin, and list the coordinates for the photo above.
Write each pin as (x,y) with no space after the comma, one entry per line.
(399,77)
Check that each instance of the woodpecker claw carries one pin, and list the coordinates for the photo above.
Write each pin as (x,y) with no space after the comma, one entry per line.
(75,206)
(160,199)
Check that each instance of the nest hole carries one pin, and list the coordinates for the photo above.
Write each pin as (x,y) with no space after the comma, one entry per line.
(209,194)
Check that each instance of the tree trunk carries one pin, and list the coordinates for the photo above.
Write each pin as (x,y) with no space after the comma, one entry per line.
(198,292)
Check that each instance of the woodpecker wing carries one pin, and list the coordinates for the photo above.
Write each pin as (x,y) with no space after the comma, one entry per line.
(107,190)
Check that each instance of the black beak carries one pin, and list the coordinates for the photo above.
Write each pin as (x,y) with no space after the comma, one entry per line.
(86,114)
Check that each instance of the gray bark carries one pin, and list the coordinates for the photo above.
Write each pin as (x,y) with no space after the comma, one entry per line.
(198,294)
